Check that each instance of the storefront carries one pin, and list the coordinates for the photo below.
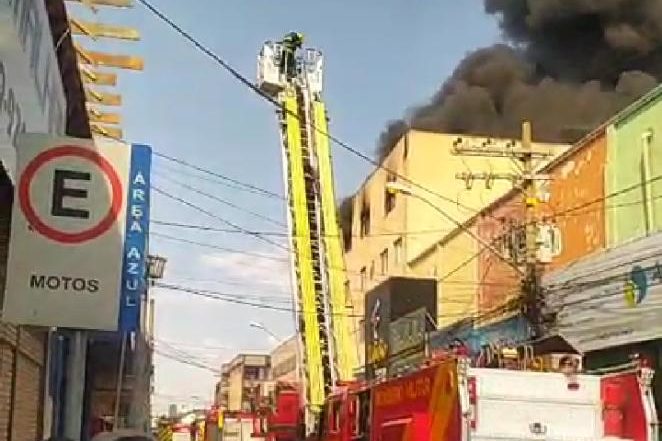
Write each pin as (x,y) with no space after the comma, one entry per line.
(31,100)
(509,331)
(608,306)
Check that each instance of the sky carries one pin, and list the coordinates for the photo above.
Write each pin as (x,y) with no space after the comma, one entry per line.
(381,57)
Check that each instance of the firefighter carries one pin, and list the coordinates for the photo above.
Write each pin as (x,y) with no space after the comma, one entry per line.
(291,42)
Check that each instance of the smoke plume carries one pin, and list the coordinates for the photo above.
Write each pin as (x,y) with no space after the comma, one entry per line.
(567,66)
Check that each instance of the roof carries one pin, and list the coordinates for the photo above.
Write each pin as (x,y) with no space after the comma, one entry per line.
(78,124)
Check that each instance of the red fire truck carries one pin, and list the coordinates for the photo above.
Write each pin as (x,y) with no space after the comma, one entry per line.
(450,401)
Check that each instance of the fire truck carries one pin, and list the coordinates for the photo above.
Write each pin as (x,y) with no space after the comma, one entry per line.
(446,399)
(326,352)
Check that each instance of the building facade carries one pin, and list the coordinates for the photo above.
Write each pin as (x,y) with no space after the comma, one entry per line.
(42,93)
(284,366)
(607,304)
(242,380)
(408,235)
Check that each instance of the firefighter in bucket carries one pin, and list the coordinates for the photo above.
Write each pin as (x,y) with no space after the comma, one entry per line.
(291,43)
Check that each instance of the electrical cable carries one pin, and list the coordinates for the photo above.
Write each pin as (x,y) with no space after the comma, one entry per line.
(239,184)
(218,247)
(285,234)
(335,140)
(220,219)
(238,299)
(243,80)
(224,202)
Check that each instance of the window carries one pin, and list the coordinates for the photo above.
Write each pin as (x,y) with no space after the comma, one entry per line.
(389,197)
(365,220)
(355,415)
(397,251)
(334,416)
(348,294)
(372,270)
(363,279)
(383,261)
(251,373)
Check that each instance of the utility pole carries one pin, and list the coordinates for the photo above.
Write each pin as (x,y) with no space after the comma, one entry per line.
(526,178)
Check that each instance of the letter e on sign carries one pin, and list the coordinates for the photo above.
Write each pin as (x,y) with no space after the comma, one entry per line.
(64,190)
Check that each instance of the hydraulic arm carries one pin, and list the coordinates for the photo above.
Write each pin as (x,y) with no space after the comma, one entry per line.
(326,352)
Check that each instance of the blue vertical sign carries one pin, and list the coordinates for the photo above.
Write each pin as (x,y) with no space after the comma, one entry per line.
(134,265)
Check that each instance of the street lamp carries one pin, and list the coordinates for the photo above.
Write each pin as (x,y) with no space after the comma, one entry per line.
(258,325)
(398,187)
(155,267)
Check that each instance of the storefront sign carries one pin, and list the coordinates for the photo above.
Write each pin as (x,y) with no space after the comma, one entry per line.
(408,332)
(71,207)
(31,93)
(134,266)
(611,299)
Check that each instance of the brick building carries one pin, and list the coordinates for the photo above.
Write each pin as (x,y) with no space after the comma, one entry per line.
(49,96)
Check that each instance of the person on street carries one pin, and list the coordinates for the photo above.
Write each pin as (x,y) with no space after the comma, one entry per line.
(291,43)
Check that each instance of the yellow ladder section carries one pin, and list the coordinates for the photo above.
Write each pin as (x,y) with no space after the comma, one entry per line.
(344,348)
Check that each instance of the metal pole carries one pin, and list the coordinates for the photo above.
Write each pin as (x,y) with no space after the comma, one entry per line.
(73,406)
(118,389)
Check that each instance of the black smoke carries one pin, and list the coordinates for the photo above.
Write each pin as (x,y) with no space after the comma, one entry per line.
(566,65)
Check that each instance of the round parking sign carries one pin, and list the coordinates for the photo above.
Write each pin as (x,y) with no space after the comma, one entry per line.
(40,225)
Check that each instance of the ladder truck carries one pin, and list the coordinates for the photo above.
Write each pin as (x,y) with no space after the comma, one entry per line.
(449,397)
(327,354)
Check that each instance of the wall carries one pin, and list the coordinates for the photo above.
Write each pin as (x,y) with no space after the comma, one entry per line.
(32,93)
(627,171)
(432,164)
(499,281)
(284,360)
(576,206)
(577,202)
(427,159)
(385,229)
(22,357)
(451,263)
(235,388)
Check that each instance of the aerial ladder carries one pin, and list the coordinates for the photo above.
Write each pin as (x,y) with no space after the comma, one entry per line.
(327,353)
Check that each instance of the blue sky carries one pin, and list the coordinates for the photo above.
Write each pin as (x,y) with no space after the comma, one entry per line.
(382,57)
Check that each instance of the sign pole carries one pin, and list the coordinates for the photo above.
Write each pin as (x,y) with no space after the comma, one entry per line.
(73,406)
(119,385)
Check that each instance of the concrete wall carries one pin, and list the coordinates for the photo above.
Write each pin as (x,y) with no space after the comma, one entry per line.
(628,171)
(235,384)
(427,249)
(284,360)
(499,282)
(22,359)
(577,202)
(451,263)
(576,206)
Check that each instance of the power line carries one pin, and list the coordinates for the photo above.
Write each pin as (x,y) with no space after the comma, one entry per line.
(224,202)
(270,286)
(241,185)
(218,247)
(239,299)
(186,362)
(178,169)
(242,79)
(345,270)
(220,219)
(285,234)
(276,300)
